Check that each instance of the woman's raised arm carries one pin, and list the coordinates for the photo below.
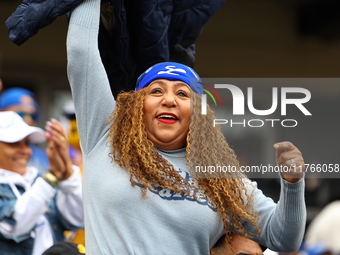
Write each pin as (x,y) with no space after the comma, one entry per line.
(89,83)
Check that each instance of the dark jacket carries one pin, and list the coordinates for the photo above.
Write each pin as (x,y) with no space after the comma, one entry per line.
(32,15)
(151,31)
(146,32)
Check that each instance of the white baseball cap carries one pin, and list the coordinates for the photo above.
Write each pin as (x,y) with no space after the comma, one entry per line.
(13,129)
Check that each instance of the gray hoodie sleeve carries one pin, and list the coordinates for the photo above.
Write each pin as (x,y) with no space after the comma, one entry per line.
(283,224)
(87,76)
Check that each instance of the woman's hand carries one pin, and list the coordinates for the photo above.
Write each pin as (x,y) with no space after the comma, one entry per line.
(290,158)
(58,150)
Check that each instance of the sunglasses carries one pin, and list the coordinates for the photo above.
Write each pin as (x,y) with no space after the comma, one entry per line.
(24,114)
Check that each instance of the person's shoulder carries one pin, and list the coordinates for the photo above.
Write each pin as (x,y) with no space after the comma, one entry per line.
(3,178)
(6,177)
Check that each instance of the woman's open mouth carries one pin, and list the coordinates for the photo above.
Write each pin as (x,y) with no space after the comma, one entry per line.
(167,118)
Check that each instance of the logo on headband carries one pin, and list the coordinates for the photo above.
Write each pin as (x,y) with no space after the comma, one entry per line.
(172,69)
(172,72)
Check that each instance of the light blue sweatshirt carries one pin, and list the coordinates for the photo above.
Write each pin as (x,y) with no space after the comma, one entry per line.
(117,219)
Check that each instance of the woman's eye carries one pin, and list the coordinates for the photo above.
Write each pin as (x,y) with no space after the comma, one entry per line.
(182,93)
(155,91)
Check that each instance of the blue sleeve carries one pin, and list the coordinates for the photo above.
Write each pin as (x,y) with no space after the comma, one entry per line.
(7,203)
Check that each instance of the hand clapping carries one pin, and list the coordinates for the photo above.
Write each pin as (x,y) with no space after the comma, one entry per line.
(57,150)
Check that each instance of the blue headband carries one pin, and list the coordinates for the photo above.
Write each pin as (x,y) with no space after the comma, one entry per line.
(12,96)
(173,72)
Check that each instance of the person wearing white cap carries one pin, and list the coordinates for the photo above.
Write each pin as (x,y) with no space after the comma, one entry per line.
(323,233)
(35,209)
(24,102)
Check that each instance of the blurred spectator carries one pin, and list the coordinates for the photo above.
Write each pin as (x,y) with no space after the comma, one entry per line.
(323,234)
(35,210)
(69,121)
(238,246)
(65,248)
(23,102)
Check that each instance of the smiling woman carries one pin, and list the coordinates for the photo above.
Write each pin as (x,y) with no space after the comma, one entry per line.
(30,203)
(140,194)
(158,120)
(15,155)
(167,113)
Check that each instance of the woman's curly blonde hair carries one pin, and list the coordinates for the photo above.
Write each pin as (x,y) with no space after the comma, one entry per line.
(206,146)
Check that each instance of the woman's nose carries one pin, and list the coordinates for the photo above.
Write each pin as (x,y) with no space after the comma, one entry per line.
(169,99)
